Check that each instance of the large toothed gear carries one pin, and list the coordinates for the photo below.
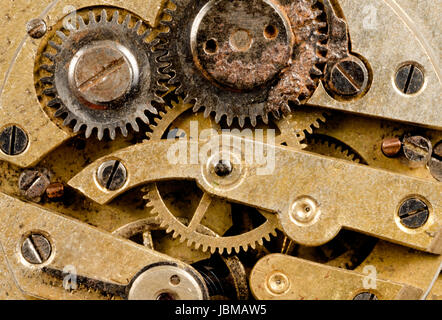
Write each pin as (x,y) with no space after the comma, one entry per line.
(104,74)
(246,59)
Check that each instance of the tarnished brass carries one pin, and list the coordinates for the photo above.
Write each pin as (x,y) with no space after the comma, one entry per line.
(317,218)
(283,277)
(358,200)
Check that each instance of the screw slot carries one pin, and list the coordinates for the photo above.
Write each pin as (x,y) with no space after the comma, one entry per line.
(410,78)
(112,175)
(13,140)
(36,28)
(414,213)
(36,249)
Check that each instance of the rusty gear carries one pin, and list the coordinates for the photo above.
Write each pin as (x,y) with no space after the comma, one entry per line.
(104,75)
(254,67)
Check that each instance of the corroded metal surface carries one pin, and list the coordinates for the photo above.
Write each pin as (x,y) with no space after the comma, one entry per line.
(299,281)
(359,203)
(349,192)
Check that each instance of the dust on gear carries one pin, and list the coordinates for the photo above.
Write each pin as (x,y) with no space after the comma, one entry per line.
(244,60)
(104,74)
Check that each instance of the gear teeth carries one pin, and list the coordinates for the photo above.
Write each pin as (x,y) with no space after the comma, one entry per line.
(105,128)
(103,17)
(77,126)
(124,131)
(137,26)
(151,109)
(315,71)
(115,17)
(54,103)
(68,120)
(55,46)
(61,35)
(113,133)
(88,132)
(135,126)
(207,111)
(242,121)
(265,119)
(48,68)
(60,111)
(286,109)
(219,116)
(50,92)
(126,21)
(49,56)
(91,16)
(81,23)
(47,80)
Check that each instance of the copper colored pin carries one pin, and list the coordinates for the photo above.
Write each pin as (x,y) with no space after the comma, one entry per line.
(55,190)
(391,147)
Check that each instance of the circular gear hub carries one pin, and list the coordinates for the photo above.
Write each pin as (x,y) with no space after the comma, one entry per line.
(245,59)
(104,75)
(239,45)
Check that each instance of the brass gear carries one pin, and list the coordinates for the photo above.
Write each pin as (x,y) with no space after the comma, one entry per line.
(205,242)
(171,223)
(292,131)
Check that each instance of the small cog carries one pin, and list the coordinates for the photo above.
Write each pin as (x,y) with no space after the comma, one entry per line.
(104,74)
(243,60)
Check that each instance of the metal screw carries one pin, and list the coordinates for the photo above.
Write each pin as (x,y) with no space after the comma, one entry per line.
(417,151)
(365,296)
(391,147)
(13,140)
(36,249)
(223,168)
(435,164)
(349,77)
(414,213)
(103,73)
(112,175)
(409,78)
(33,183)
(36,28)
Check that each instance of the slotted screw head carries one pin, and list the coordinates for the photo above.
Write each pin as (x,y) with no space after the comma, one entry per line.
(36,249)
(366,296)
(410,78)
(33,183)
(13,140)
(417,151)
(36,28)
(112,175)
(414,213)
(349,77)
